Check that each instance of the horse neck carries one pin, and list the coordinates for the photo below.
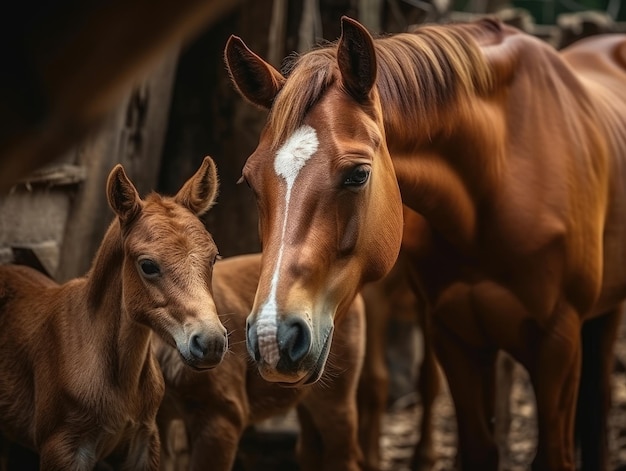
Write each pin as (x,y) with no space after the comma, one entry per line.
(437,127)
(125,342)
(446,178)
(452,161)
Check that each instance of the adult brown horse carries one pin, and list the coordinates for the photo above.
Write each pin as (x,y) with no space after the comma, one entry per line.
(216,406)
(79,380)
(514,156)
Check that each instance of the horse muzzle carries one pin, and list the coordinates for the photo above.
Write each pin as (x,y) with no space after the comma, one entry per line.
(288,352)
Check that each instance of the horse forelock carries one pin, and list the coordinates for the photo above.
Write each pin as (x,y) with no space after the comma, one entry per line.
(309,75)
(418,74)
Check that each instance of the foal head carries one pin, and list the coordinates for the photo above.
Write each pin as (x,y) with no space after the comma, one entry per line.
(329,205)
(168,263)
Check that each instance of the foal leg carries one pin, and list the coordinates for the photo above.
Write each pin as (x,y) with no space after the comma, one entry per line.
(328,432)
(594,399)
(555,373)
(167,461)
(144,451)
(309,442)
(213,440)
(64,452)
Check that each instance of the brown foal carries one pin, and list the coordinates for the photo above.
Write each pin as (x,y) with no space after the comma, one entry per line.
(79,380)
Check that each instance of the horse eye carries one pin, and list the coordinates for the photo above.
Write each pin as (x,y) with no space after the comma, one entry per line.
(149,268)
(358,176)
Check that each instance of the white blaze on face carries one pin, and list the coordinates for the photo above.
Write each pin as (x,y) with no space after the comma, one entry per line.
(290,159)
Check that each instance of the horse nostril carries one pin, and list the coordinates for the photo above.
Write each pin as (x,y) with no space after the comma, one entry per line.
(252,341)
(294,339)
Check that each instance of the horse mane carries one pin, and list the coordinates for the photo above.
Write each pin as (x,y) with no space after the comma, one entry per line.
(417,74)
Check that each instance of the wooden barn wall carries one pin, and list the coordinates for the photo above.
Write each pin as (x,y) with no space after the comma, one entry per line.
(133,136)
(208,117)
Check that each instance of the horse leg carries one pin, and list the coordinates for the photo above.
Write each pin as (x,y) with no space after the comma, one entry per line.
(594,399)
(374,379)
(555,372)
(428,385)
(505,370)
(471,378)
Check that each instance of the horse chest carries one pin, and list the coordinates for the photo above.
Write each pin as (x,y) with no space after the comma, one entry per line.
(495,291)
(487,314)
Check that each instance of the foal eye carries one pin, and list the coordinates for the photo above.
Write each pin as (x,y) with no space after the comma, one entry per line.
(358,176)
(149,267)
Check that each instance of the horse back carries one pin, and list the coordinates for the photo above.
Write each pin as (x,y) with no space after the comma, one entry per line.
(605,55)
(600,63)
(23,291)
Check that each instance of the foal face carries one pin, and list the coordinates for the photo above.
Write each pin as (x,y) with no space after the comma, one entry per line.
(168,265)
(167,281)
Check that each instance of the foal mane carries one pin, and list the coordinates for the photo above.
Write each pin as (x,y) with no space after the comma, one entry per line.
(417,74)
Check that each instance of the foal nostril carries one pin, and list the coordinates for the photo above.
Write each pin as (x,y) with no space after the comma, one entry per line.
(294,339)
(199,345)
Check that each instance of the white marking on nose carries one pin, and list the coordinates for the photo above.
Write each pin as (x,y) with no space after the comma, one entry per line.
(290,159)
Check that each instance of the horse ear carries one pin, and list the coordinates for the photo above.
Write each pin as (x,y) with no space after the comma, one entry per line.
(122,194)
(356,58)
(200,191)
(255,80)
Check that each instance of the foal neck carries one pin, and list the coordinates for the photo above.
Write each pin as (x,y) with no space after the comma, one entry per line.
(126,341)
(104,280)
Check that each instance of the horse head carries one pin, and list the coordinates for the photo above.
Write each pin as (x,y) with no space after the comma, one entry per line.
(330,213)
(168,263)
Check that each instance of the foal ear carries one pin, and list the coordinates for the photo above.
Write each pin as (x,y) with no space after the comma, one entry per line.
(255,80)
(356,58)
(122,194)
(200,191)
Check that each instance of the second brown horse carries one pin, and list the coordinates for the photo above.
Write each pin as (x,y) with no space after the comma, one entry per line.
(216,406)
